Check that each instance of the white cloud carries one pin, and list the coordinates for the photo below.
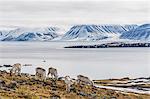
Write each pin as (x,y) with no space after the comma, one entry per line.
(24,12)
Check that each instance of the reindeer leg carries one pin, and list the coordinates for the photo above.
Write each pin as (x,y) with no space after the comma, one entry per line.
(51,75)
(66,87)
(19,71)
(56,76)
(69,88)
(48,74)
(15,71)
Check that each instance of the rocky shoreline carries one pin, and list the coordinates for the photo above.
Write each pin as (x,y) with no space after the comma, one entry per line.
(26,86)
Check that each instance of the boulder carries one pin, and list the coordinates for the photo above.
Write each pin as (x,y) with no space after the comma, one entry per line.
(2,83)
(12,85)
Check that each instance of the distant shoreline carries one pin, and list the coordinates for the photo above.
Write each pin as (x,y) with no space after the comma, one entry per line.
(112,45)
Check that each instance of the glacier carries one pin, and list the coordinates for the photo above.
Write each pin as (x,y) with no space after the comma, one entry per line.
(142,32)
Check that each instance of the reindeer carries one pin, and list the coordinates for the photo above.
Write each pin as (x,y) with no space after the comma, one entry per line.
(68,82)
(53,72)
(84,80)
(40,73)
(16,69)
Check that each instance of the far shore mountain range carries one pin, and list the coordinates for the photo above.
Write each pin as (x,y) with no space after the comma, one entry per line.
(77,33)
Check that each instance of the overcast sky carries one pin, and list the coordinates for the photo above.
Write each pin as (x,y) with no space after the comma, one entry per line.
(70,12)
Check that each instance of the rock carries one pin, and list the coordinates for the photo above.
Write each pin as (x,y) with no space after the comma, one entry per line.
(113,97)
(8,89)
(25,74)
(55,97)
(93,96)
(82,94)
(32,76)
(3,71)
(60,78)
(2,83)
(53,88)
(125,78)
(73,89)
(12,85)
(22,82)
(47,83)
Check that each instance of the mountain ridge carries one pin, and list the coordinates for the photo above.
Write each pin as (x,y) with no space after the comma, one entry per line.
(142,32)
(96,32)
(76,33)
(29,34)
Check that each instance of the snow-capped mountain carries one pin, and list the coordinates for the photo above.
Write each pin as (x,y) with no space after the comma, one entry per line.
(96,32)
(140,33)
(76,33)
(3,33)
(29,34)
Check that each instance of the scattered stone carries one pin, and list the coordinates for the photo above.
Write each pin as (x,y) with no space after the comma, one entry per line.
(2,83)
(60,78)
(55,97)
(22,82)
(12,85)
(3,71)
(113,97)
(82,93)
(25,74)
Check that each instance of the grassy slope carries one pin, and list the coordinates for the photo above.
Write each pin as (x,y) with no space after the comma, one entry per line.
(31,88)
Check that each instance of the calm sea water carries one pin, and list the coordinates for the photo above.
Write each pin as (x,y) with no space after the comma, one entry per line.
(96,63)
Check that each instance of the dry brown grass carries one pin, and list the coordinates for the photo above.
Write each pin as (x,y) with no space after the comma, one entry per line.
(30,88)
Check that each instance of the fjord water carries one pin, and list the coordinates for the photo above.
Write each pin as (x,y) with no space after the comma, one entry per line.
(102,63)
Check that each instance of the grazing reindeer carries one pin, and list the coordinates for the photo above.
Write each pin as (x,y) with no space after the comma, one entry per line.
(16,69)
(84,80)
(53,72)
(68,83)
(40,73)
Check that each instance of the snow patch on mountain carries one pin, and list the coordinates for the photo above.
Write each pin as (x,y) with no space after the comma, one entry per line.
(140,33)
(96,32)
(4,31)
(30,34)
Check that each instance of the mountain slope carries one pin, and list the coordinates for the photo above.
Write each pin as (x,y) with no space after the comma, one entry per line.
(96,32)
(3,34)
(31,34)
(4,31)
(140,33)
